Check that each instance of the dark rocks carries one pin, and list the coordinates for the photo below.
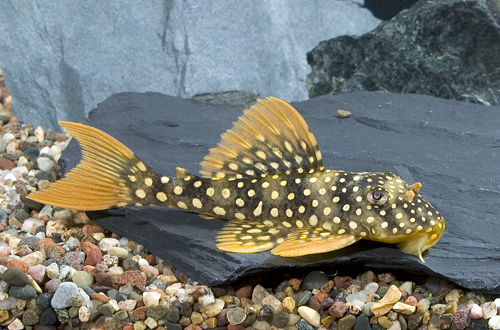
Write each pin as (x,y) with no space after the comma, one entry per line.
(418,137)
(15,276)
(48,316)
(438,48)
(179,53)
(22,292)
(314,280)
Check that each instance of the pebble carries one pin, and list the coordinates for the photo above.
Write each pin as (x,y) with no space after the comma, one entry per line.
(385,304)
(15,276)
(338,309)
(303,325)
(476,312)
(347,322)
(151,298)
(62,297)
(236,315)
(8,304)
(82,278)
(404,308)
(304,298)
(360,296)
(494,322)
(489,309)
(310,315)
(22,292)
(314,280)
(461,319)
(259,292)
(362,323)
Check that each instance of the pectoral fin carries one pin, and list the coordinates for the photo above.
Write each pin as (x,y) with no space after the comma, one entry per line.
(249,237)
(311,241)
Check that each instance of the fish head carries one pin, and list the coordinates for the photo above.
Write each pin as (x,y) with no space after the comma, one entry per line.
(397,213)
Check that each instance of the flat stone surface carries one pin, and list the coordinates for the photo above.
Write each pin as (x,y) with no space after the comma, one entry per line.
(60,59)
(446,48)
(452,148)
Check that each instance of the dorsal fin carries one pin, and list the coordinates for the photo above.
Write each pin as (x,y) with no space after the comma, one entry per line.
(270,138)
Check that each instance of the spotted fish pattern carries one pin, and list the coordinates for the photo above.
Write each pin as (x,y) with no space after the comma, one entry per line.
(266,177)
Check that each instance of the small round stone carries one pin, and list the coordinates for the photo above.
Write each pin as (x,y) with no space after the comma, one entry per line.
(236,315)
(337,309)
(83,278)
(304,298)
(494,322)
(280,320)
(15,276)
(314,280)
(303,325)
(347,322)
(22,292)
(362,323)
(266,313)
(30,317)
(48,317)
(310,315)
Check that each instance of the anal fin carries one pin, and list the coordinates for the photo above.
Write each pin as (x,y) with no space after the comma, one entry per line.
(250,237)
(311,241)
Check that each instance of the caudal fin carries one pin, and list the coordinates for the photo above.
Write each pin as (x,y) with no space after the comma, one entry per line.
(102,179)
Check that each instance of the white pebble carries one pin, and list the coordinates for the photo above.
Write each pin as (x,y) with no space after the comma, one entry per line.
(497,302)
(45,164)
(84,314)
(31,224)
(14,242)
(52,271)
(151,323)
(55,150)
(310,315)
(172,289)
(139,325)
(118,252)
(494,322)
(20,169)
(8,137)
(151,298)
(360,295)
(489,309)
(107,243)
(128,305)
(55,228)
(23,161)
(371,288)
(16,325)
(395,326)
(45,150)
(10,177)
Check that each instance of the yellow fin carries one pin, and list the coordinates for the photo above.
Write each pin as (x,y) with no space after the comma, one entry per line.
(249,237)
(182,173)
(99,181)
(311,241)
(270,138)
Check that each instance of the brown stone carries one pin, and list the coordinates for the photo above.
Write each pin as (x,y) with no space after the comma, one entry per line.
(233,327)
(337,309)
(244,292)
(342,281)
(328,286)
(100,297)
(105,279)
(42,245)
(134,277)
(6,164)
(140,312)
(92,228)
(321,296)
(294,283)
(314,303)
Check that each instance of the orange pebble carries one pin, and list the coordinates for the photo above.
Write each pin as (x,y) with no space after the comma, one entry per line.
(23,265)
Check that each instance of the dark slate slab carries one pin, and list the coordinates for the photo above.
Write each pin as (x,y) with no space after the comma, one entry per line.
(453,148)
(446,48)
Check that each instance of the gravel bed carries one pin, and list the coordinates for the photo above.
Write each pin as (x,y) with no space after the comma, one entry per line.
(61,271)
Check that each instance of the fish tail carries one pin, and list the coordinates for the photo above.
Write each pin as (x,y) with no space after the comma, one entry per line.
(108,175)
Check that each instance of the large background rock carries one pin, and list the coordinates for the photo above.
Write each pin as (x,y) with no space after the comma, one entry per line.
(453,148)
(447,48)
(61,57)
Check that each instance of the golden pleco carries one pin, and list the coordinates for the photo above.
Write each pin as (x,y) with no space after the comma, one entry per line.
(266,177)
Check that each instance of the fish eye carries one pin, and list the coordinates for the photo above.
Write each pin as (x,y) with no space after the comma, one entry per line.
(377,197)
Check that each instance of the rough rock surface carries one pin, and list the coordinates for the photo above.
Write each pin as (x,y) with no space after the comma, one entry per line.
(60,59)
(453,148)
(443,48)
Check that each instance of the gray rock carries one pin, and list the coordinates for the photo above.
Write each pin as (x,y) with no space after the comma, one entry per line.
(22,292)
(443,48)
(59,64)
(15,276)
(8,304)
(62,297)
(451,147)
